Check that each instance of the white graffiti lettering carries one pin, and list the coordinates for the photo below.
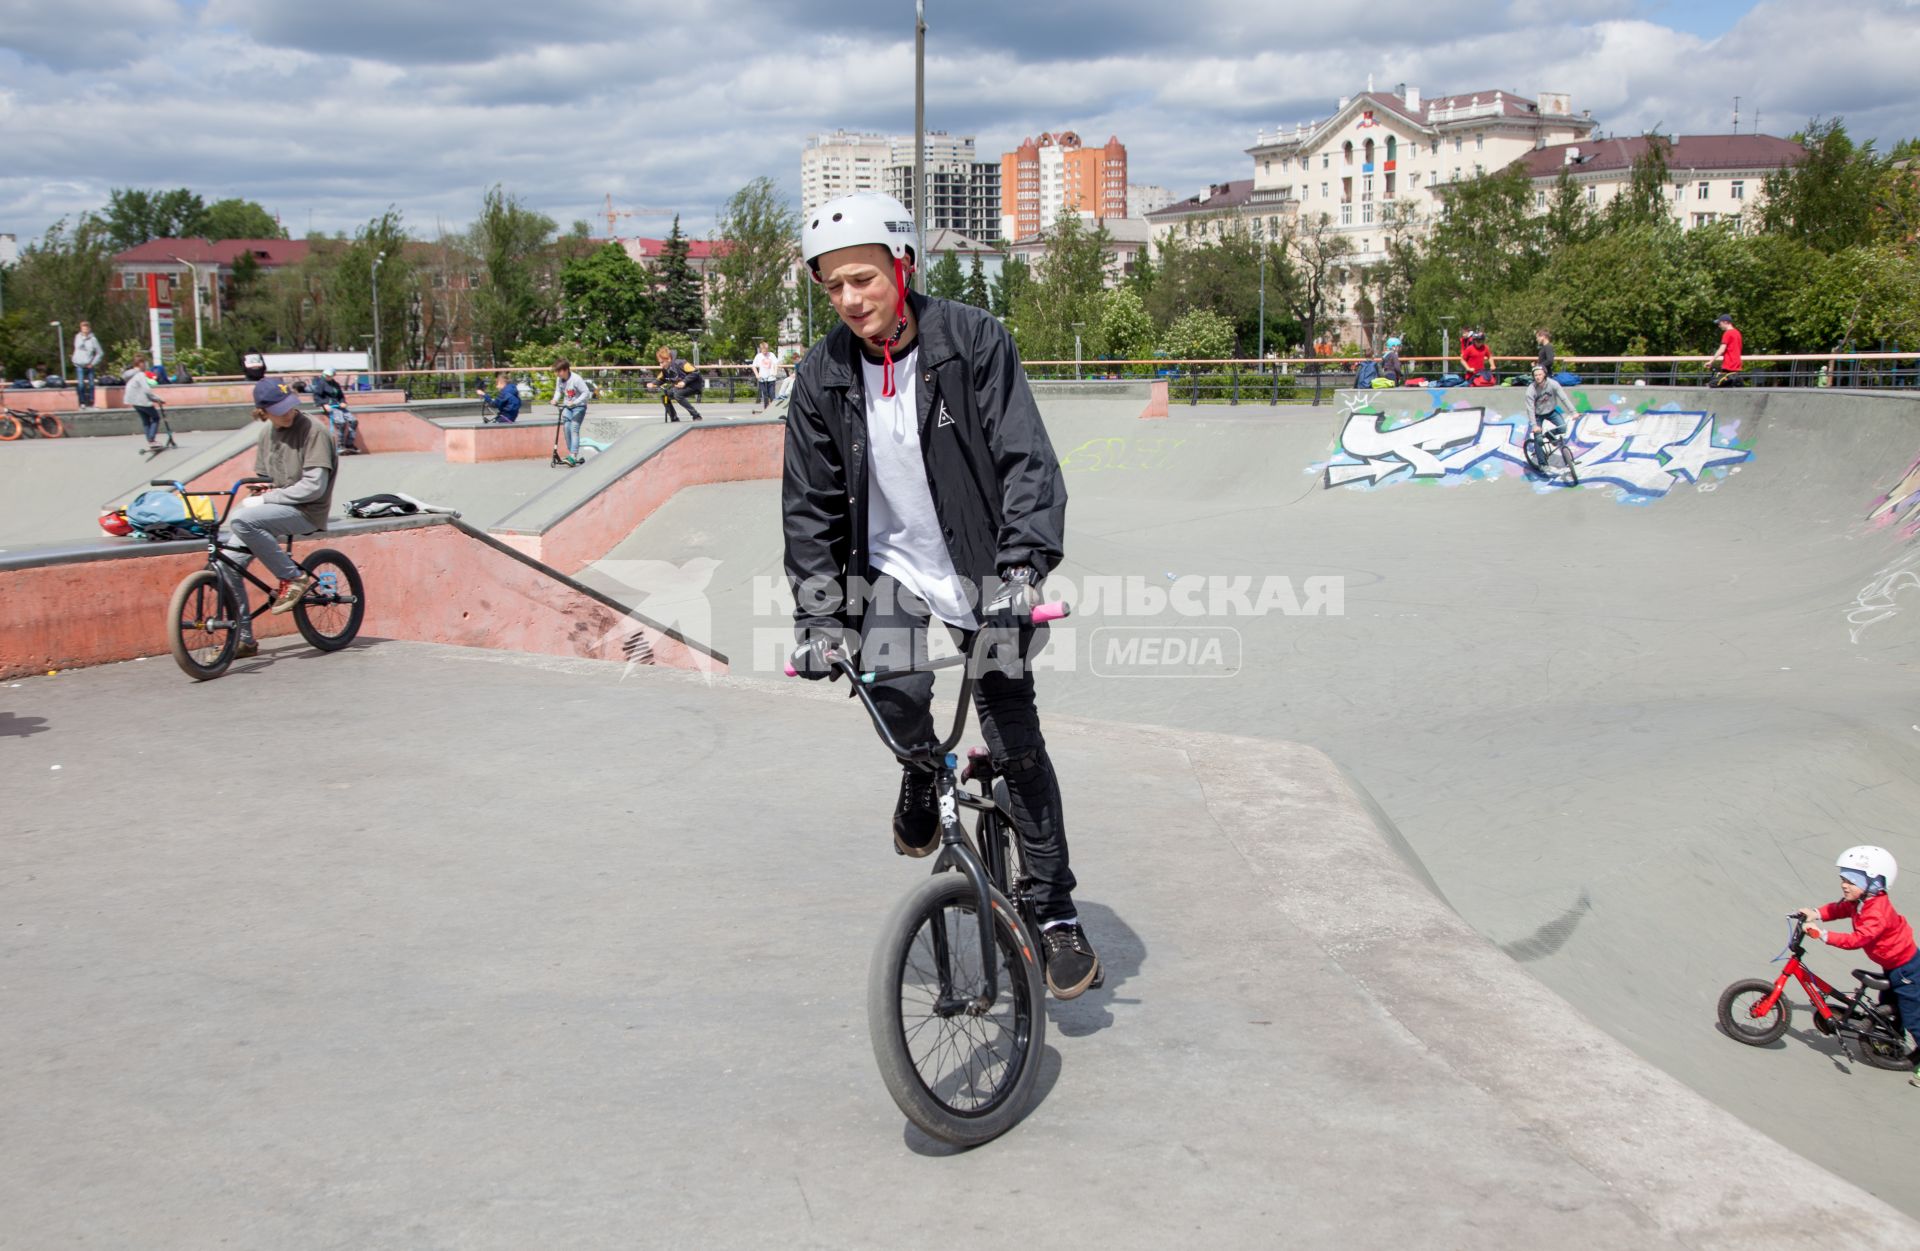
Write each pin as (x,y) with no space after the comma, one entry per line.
(1644,452)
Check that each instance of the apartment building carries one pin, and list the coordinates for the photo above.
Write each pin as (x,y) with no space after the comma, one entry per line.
(962,193)
(1224,207)
(1055,173)
(1382,154)
(1712,178)
(1144,198)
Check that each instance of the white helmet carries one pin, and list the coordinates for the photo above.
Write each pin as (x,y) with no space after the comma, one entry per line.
(327,372)
(1872,861)
(863,217)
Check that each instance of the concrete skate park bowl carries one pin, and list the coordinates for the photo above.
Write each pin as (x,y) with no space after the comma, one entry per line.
(1419,894)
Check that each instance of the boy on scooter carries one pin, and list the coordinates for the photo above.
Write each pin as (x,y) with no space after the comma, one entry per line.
(1878,930)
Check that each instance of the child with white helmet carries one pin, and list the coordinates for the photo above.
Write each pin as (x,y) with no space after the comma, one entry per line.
(1865,874)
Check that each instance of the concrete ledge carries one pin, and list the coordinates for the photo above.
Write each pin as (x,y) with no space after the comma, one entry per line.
(579,519)
(470,444)
(429,579)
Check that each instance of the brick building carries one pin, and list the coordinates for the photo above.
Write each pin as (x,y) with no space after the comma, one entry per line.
(1045,177)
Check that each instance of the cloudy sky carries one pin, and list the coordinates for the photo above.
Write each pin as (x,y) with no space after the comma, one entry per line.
(328,112)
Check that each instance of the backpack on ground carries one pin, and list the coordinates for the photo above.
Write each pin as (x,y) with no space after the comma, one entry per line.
(1367,375)
(165,515)
(1567,378)
(395,504)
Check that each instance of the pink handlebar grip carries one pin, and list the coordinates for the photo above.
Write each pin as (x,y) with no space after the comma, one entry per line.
(1049,612)
(792,672)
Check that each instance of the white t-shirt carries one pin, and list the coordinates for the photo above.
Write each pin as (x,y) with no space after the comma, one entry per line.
(904,538)
(766,367)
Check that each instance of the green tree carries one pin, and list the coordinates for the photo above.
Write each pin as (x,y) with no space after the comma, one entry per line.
(758,233)
(238,219)
(1222,275)
(1486,246)
(1009,286)
(65,276)
(1569,218)
(347,320)
(134,216)
(606,305)
(976,292)
(946,280)
(677,304)
(1636,282)
(1125,330)
(1065,293)
(1320,262)
(509,309)
(1826,199)
(1646,200)
(1198,334)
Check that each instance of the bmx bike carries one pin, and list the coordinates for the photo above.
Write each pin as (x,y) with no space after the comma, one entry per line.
(15,422)
(203,619)
(1549,454)
(956,995)
(1757,1013)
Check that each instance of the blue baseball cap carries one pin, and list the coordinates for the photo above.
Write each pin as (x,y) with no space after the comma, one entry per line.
(275,396)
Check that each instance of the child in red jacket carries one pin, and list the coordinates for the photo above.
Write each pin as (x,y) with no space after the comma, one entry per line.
(1865,874)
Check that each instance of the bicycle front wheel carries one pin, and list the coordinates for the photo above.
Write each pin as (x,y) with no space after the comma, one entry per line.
(51,427)
(9,427)
(962,1075)
(329,614)
(200,623)
(1737,1003)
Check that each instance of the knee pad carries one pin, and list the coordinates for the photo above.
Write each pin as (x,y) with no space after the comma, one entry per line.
(1021,764)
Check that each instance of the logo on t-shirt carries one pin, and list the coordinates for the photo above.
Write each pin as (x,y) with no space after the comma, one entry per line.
(946,418)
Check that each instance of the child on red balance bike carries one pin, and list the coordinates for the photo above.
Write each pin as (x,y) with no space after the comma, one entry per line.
(1878,930)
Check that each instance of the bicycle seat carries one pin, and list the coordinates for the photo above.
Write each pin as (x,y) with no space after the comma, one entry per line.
(1872,981)
(979,765)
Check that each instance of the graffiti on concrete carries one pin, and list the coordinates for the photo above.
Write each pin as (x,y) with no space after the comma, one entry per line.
(1644,452)
(1900,506)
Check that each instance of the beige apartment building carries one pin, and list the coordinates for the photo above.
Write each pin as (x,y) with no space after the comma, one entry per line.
(1712,178)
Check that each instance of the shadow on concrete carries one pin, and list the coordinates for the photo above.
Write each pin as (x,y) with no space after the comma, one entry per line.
(1552,936)
(919,1143)
(12,726)
(1121,955)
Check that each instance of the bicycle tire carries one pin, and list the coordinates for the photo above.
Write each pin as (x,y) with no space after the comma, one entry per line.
(9,427)
(202,654)
(955,1108)
(327,618)
(1566,458)
(1530,449)
(1740,1024)
(51,427)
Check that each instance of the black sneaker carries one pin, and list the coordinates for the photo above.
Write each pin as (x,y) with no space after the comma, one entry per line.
(1072,967)
(916,819)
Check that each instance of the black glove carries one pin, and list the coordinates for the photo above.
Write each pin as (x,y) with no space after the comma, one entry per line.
(813,658)
(1018,596)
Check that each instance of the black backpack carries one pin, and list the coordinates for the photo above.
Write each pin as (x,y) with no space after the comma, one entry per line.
(382,506)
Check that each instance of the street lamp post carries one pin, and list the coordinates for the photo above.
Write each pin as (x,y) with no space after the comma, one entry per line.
(1260,352)
(197,343)
(920,137)
(59,347)
(377,258)
(1446,356)
(1078,326)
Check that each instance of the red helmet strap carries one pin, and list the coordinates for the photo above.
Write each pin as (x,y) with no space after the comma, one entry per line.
(887,389)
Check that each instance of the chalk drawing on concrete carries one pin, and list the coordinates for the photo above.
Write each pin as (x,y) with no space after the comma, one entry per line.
(1879,598)
(1645,453)
(1109,455)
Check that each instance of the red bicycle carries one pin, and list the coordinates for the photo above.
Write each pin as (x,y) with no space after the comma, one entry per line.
(1757,1013)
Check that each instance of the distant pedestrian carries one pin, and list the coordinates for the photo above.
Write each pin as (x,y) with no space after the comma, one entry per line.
(1726,362)
(766,374)
(87,356)
(678,381)
(143,400)
(1474,359)
(1544,358)
(1390,362)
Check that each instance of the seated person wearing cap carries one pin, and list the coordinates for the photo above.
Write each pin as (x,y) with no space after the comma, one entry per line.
(296,453)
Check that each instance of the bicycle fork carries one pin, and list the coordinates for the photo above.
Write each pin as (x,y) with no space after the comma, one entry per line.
(955,853)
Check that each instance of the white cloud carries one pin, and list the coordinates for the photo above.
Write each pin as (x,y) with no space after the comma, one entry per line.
(329,114)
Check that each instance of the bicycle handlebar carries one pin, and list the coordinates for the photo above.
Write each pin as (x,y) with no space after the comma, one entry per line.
(1042,614)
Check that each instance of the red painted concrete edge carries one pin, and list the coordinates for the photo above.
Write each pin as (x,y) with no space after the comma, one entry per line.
(1156,400)
(433,584)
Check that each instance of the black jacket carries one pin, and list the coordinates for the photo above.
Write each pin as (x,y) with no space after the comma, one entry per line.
(326,391)
(996,482)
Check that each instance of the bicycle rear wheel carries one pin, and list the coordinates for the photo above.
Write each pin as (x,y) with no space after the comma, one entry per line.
(200,624)
(961,1076)
(330,613)
(9,427)
(51,426)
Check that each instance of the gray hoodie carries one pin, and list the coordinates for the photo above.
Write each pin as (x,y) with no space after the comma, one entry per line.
(86,351)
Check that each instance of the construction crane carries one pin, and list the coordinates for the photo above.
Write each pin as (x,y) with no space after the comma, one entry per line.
(613,215)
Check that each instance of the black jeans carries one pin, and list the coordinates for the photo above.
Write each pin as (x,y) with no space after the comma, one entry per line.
(149,420)
(766,386)
(681,394)
(895,634)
